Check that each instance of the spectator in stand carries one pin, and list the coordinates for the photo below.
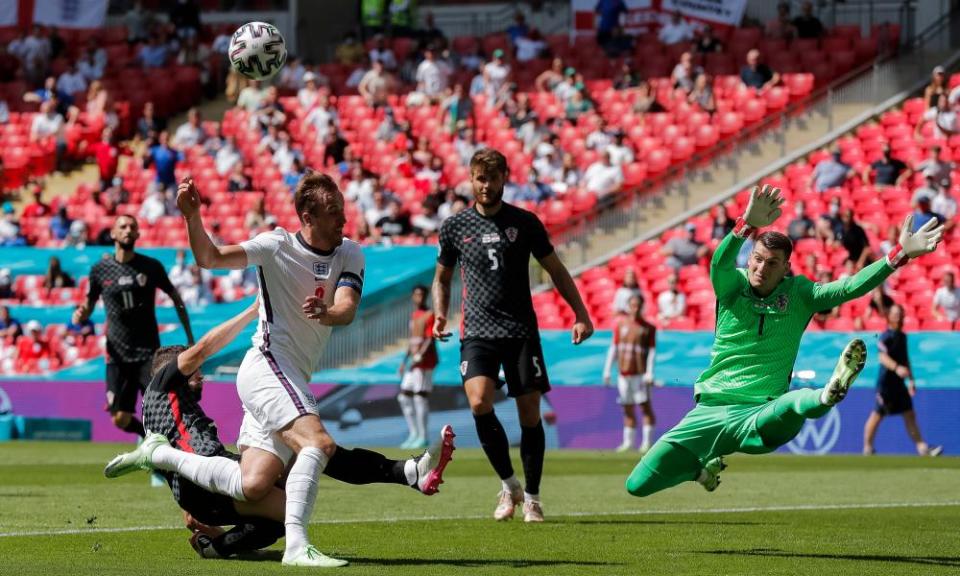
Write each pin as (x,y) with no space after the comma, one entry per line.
(943,117)
(530,46)
(349,52)
(377,210)
(619,44)
(270,112)
(256,216)
(830,172)
(707,42)
(107,155)
(946,300)
(382,53)
(629,289)
(887,171)
(551,77)
(676,31)
(878,307)
(88,66)
(519,27)
(154,206)
(35,207)
(227,157)
(33,348)
(671,303)
(393,223)
(549,168)
(645,99)
(806,24)
(154,53)
(627,77)
(757,75)
(924,213)
(197,292)
(685,250)
(35,53)
(9,326)
(138,22)
(609,12)
(456,108)
(238,181)
(185,17)
(891,241)
(10,227)
(600,137)
(432,77)
(946,206)
(77,334)
(854,240)
(430,33)
(163,158)
(495,74)
(77,235)
(603,177)
(180,271)
(685,73)
(337,151)
(4,118)
(55,277)
(620,152)
(722,224)
(47,92)
(702,94)
(149,125)
(49,124)
(323,118)
(60,224)
(801,226)
(929,190)
(292,176)
(251,96)
(466,145)
(565,90)
(292,76)
(6,287)
(190,133)
(308,96)
(285,154)
(936,88)
(570,176)
(577,106)
(376,85)
(781,27)
(936,168)
(453,205)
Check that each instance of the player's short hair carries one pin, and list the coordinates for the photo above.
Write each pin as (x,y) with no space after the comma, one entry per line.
(488,160)
(163,355)
(314,190)
(776,241)
(130,216)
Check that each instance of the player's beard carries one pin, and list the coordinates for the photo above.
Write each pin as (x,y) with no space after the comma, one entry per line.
(493,198)
(128,246)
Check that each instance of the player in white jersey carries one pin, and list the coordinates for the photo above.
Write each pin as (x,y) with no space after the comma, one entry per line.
(310,281)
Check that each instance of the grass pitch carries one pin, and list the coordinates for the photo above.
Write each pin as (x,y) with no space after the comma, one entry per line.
(772,515)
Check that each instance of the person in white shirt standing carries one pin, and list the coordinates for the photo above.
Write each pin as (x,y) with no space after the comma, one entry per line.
(603,177)
(432,77)
(310,281)
(671,303)
(676,30)
(946,300)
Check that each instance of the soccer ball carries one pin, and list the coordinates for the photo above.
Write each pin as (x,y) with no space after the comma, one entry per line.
(257,50)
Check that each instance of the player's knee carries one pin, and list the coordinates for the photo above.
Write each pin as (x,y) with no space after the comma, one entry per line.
(257,486)
(480,406)
(121,419)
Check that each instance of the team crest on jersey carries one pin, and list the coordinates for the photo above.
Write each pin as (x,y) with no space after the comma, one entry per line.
(512,234)
(321,269)
(142,279)
(463,368)
(782,301)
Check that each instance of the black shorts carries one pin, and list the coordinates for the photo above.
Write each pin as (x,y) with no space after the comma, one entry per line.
(521,358)
(209,508)
(893,400)
(124,380)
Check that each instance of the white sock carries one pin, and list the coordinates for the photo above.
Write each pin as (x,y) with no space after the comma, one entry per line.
(422,408)
(410,471)
(301,494)
(528,497)
(213,473)
(406,406)
(511,485)
(629,436)
(647,434)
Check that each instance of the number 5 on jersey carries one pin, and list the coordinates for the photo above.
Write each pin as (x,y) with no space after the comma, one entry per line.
(494,258)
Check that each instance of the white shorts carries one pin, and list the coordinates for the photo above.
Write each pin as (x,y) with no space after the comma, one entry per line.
(417,380)
(632,390)
(273,396)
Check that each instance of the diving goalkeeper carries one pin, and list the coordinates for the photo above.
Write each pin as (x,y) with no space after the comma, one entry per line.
(742,400)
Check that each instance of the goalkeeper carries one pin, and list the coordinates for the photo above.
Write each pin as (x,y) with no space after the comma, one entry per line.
(742,400)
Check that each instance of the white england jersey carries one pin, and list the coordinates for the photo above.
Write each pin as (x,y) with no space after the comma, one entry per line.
(289,271)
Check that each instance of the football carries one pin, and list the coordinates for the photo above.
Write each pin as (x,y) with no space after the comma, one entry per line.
(257,50)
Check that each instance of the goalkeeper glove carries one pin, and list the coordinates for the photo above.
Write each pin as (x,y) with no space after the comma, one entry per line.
(914,244)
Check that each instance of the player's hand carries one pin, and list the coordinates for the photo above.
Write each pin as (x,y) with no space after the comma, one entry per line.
(416,358)
(764,207)
(913,388)
(923,241)
(79,314)
(582,329)
(314,308)
(402,369)
(903,372)
(439,325)
(188,198)
(648,379)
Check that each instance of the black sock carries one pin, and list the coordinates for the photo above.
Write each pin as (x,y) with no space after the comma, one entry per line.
(494,442)
(135,427)
(359,466)
(532,446)
(248,536)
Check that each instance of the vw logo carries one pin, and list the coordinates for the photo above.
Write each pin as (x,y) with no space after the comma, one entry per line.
(817,436)
(5,406)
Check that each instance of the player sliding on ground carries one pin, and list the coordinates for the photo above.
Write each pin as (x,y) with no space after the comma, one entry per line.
(742,400)
(183,444)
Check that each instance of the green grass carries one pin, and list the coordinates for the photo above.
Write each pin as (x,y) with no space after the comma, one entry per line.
(772,515)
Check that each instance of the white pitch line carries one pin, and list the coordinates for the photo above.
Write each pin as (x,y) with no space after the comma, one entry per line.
(661,512)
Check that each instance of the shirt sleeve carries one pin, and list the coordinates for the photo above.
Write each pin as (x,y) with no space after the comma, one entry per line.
(540,245)
(163,281)
(93,293)
(449,253)
(883,343)
(353,269)
(826,296)
(726,280)
(652,338)
(261,248)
